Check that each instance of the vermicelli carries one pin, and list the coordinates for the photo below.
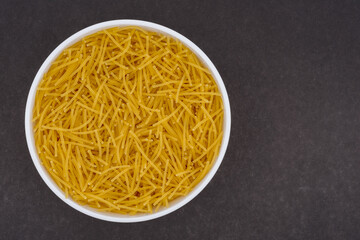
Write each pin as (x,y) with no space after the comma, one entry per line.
(126,120)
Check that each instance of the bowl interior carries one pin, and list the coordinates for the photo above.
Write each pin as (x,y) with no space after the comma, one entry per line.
(174,204)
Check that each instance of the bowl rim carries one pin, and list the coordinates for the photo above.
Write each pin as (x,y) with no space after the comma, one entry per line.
(30,135)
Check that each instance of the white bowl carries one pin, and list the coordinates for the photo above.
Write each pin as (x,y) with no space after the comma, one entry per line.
(114,217)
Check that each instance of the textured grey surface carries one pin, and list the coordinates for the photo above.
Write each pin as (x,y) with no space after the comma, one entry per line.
(292,69)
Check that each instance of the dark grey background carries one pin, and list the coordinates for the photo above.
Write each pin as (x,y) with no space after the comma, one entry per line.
(292,70)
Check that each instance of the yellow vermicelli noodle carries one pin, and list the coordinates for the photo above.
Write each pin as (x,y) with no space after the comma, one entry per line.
(127,120)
